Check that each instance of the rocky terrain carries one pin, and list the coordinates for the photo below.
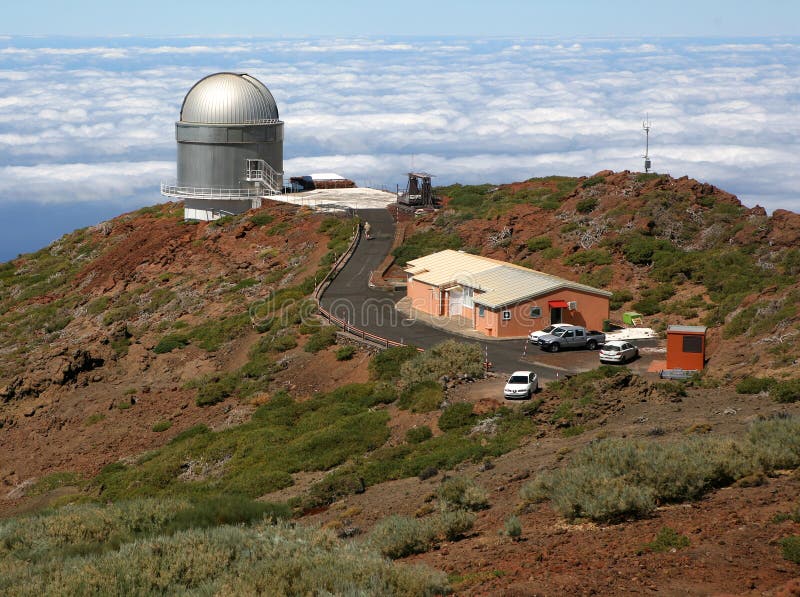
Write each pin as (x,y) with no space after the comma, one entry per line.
(117,338)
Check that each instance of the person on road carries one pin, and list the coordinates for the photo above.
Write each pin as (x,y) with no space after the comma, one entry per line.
(367,228)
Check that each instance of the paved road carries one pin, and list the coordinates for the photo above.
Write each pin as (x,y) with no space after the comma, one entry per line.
(350,297)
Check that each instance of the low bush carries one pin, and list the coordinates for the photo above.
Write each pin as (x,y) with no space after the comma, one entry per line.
(321,339)
(790,547)
(401,536)
(170,342)
(586,206)
(754,385)
(421,397)
(611,480)
(462,493)
(457,416)
(190,433)
(619,298)
(667,539)
(417,435)
(283,342)
(216,389)
(539,243)
(448,359)
(513,527)
(161,426)
(266,559)
(345,353)
(386,364)
(589,257)
(262,219)
(786,391)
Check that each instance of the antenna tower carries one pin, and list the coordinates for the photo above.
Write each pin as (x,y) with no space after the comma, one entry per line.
(646,156)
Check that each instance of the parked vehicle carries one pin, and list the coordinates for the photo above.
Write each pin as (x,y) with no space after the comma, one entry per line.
(534,336)
(618,351)
(572,337)
(521,384)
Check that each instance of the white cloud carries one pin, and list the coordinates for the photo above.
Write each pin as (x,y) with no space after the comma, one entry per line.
(467,110)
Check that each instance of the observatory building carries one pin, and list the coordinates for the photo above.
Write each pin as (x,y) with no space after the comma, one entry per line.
(230,147)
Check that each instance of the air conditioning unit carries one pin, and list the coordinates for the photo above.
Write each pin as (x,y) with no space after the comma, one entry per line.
(572,305)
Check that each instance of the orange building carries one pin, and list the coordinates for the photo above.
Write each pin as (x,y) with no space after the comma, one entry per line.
(500,299)
(686,347)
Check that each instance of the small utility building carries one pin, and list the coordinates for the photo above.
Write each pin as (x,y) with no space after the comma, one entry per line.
(500,299)
(686,347)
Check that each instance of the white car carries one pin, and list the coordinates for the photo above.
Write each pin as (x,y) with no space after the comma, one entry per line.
(618,351)
(521,384)
(534,336)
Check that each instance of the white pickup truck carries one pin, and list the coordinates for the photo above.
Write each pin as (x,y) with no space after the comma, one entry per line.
(571,337)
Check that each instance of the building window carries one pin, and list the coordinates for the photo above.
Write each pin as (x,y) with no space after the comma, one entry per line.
(506,315)
(481,311)
(467,300)
(536,312)
(693,344)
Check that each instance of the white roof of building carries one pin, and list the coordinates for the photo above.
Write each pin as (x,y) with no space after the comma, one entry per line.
(326,176)
(501,283)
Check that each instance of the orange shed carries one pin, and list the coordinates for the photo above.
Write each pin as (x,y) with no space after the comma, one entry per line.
(686,347)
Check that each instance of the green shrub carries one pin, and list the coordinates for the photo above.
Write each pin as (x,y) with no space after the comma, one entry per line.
(94,418)
(283,342)
(281,559)
(539,243)
(345,353)
(417,435)
(453,524)
(594,180)
(599,278)
(401,536)
(611,480)
(386,364)
(791,548)
(190,433)
(586,206)
(262,218)
(619,298)
(754,385)
(786,391)
(425,243)
(457,416)
(161,426)
(216,389)
(170,342)
(421,397)
(589,257)
(667,539)
(513,527)
(462,493)
(449,358)
(321,339)
(551,253)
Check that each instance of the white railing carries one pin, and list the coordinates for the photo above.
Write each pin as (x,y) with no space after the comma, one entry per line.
(169,190)
(261,172)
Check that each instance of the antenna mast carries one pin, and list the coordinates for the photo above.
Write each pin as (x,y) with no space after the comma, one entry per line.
(646,156)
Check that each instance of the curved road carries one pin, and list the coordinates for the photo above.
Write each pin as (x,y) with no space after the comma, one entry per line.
(350,297)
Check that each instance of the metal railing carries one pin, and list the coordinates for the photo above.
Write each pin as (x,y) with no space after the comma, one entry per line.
(179,192)
(338,321)
(260,171)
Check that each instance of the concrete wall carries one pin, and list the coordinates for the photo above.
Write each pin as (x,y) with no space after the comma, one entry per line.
(425,297)
(591,312)
(205,211)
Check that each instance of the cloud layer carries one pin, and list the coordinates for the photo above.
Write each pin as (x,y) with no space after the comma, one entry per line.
(94,119)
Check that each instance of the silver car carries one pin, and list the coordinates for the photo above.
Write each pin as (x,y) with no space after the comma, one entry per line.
(618,351)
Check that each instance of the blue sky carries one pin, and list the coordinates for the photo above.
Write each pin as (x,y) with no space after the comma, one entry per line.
(88,105)
(438,18)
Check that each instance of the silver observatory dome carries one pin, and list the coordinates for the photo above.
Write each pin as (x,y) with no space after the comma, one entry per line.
(229,98)
(230,147)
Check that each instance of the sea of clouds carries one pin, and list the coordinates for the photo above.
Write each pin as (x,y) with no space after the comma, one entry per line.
(90,122)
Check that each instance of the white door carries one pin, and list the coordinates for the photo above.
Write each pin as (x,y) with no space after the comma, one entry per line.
(456,301)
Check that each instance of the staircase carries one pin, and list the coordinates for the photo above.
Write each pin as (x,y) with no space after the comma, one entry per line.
(270,181)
